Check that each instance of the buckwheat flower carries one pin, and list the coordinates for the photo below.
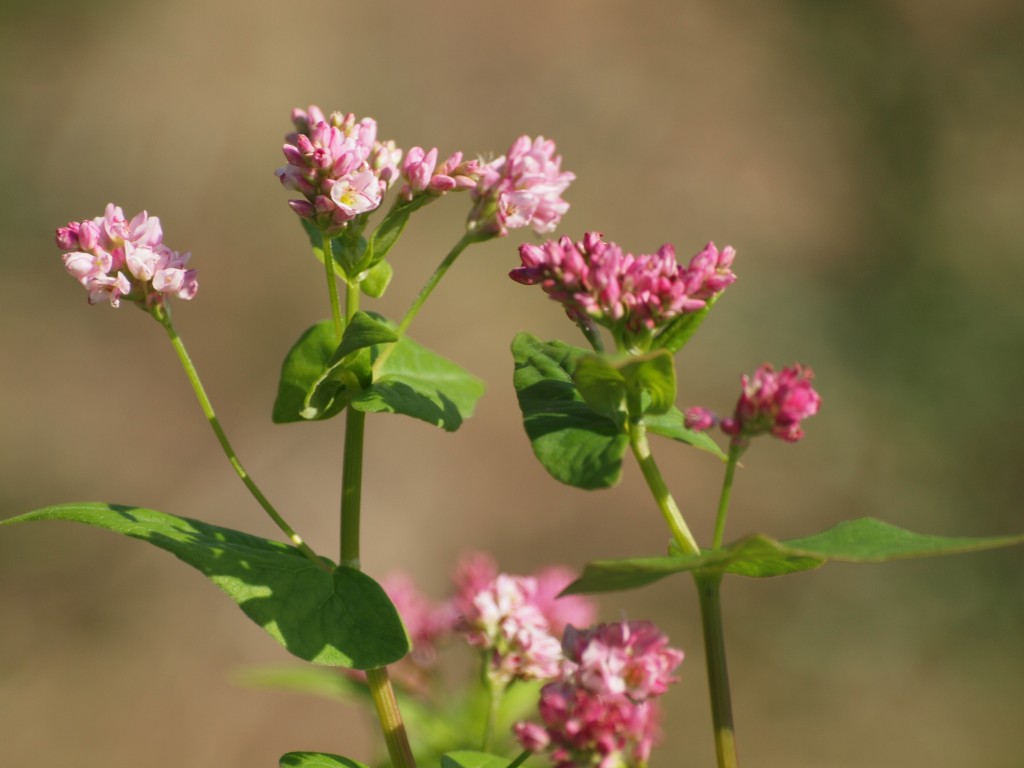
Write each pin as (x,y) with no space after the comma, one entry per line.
(503,620)
(634,295)
(338,166)
(115,258)
(522,188)
(357,194)
(601,710)
(630,658)
(583,729)
(774,402)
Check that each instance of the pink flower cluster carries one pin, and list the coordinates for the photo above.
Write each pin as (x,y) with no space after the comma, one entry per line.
(338,165)
(516,619)
(114,258)
(597,280)
(422,174)
(522,189)
(601,712)
(772,402)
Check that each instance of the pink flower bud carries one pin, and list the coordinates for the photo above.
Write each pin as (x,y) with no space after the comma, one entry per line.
(303,208)
(442,184)
(67,237)
(774,402)
(531,737)
(699,419)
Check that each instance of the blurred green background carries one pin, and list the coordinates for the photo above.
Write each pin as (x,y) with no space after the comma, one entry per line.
(866,160)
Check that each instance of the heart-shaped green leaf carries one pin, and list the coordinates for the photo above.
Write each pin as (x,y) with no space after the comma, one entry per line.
(601,385)
(604,381)
(417,382)
(574,443)
(332,616)
(303,367)
(653,374)
(348,370)
(865,540)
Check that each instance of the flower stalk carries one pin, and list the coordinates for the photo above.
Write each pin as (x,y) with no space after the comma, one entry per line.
(332,284)
(161,313)
(428,288)
(637,432)
(735,451)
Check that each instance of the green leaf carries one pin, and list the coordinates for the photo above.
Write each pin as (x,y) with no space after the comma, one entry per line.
(417,382)
(303,367)
(603,381)
(336,618)
(674,336)
(673,425)
(376,280)
(362,331)
(348,370)
(388,231)
(576,445)
(653,374)
(317,760)
(602,386)
(866,540)
(467,759)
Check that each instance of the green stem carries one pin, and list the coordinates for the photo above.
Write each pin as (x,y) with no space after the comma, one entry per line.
(351,300)
(428,288)
(718,674)
(381,691)
(352,463)
(735,451)
(384,702)
(523,757)
(332,284)
(637,432)
(162,315)
(352,487)
(495,694)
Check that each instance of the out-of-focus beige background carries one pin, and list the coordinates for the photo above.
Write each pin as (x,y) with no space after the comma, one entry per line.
(865,159)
